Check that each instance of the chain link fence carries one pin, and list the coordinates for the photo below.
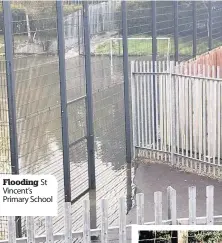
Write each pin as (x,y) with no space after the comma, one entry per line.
(159,30)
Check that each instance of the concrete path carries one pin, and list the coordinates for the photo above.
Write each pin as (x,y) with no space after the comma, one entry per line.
(150,178)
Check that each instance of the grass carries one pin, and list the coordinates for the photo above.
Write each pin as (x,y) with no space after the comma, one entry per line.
(144,47)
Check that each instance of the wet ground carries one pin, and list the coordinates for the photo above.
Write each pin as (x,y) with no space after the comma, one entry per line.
(150,178)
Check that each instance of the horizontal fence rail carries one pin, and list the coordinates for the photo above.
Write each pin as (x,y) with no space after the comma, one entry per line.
(122,230)
(181,123)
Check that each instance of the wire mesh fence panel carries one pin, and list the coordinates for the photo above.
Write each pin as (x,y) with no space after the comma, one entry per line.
(108,107)
(216,23)
(202,27)
(5,158)
(185,30)
(38,94)
(165,29)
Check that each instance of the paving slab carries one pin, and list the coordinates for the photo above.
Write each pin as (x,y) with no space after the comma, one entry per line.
(150,178)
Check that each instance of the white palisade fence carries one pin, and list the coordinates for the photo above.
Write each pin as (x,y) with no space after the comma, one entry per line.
(177,115)
(122,231)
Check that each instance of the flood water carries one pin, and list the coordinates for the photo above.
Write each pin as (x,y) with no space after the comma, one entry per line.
(39,132)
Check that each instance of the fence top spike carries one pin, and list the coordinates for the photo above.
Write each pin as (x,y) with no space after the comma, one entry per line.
(170,188)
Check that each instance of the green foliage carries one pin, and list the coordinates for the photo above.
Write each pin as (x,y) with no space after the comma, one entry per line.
(135,47)
(205,236)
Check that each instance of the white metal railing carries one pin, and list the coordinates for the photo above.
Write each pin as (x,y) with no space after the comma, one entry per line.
(177,114)
(122,230)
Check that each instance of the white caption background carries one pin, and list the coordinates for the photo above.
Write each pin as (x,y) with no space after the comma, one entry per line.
(28,200)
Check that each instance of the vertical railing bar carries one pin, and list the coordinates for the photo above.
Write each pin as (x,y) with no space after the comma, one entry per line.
(194,10)
(133,95)
(141,104)
(195,90)
(11,96)
(219,112)
(177,80)
(186,112)
(173,114)
(183,119)
(156,109)
(168,110)
(198,109)
(204,114)
(209,25)
(138,105)
(89,99)
(149,103)
(201,118)
(126,82)
(164,114)
(190,113)
(154,57)
(145,102)
(208,117)
(152,108)
(63,98)
(176,33)
(214,118)
(161,110)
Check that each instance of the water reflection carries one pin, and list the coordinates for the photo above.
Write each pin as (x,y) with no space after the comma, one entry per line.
(39,132)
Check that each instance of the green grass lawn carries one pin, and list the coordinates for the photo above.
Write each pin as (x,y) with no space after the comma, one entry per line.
(144,47)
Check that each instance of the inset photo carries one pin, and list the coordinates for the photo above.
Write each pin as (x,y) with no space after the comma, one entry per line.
(180,236)
(177,234)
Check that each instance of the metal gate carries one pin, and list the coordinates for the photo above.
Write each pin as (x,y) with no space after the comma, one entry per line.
(177,113)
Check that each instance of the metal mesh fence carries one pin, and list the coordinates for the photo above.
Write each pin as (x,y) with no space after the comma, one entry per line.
(108,105)
(5,158)
(216,23)
(38,96)
(38,102)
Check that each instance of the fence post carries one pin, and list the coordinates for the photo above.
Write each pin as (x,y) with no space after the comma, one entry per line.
(176,46)
(68,223)
(158,208)
(11,230)
(104,221)
(192,205)
(89,102)
(140,208)
(209,25)
(172,205)
(30,225)
(63,98)
(194,5)
(122,220)
(10,78)
(154,58)
(210,204)
(126,83)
